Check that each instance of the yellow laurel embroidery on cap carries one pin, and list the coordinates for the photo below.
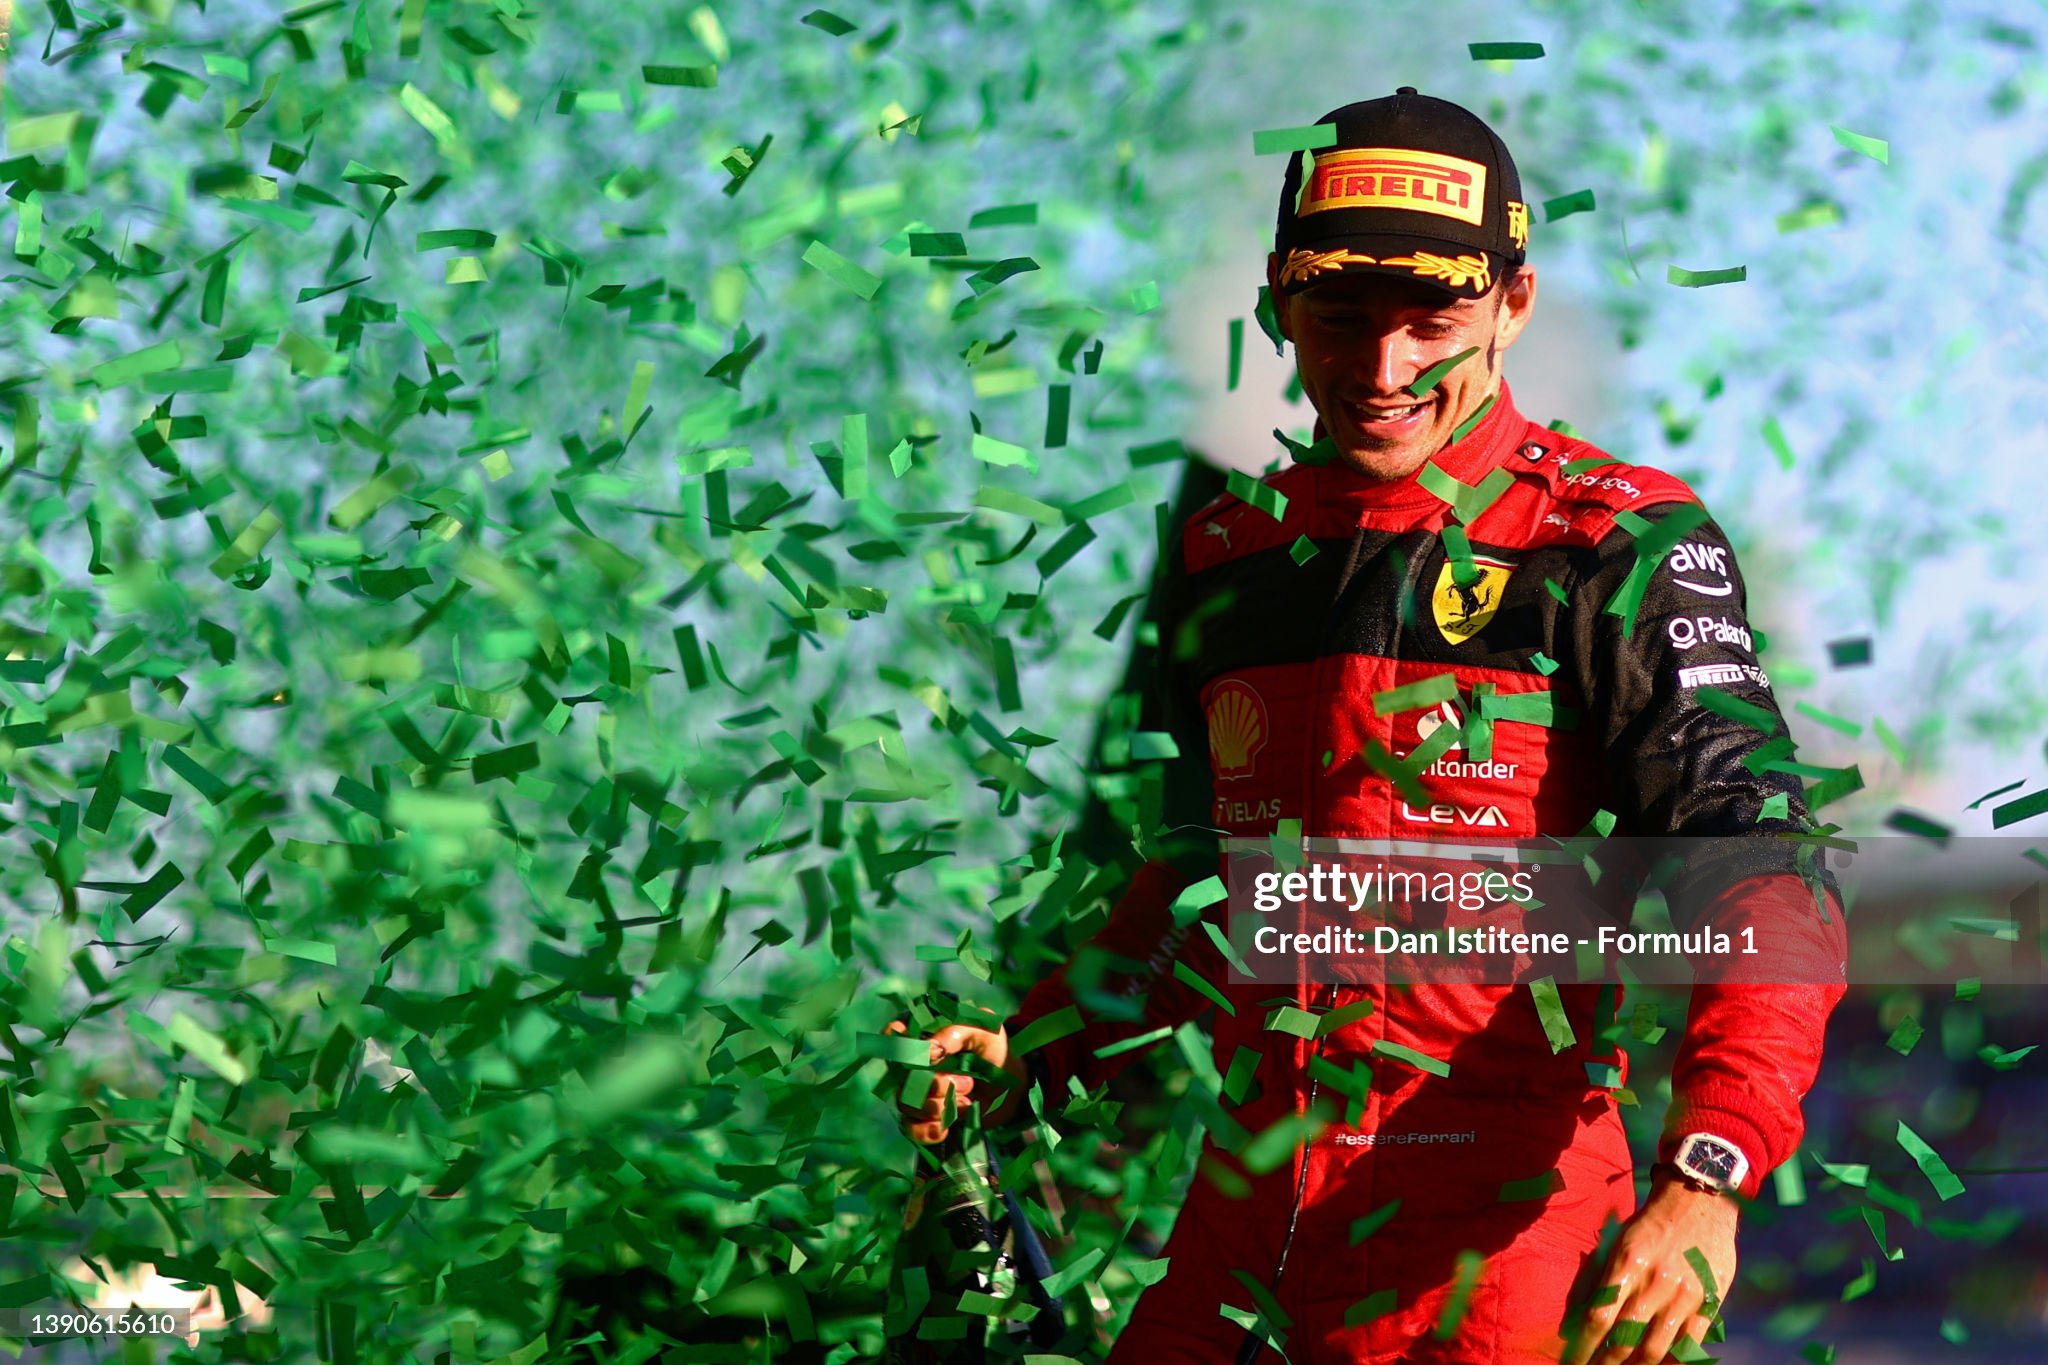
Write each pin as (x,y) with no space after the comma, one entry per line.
(1518,223)
(1456,271)
(1303,264)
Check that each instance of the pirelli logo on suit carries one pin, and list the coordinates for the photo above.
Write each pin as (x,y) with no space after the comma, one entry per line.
(1394,178)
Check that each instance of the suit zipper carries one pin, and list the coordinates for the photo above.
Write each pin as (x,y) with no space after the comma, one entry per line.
(1248,1350)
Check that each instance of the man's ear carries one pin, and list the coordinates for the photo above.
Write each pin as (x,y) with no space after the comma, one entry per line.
(1273,291)
(1517,305)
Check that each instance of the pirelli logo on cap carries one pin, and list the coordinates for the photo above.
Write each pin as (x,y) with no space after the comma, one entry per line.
(1393,178)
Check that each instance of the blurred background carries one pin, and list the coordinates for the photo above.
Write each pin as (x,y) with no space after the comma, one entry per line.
(568,563)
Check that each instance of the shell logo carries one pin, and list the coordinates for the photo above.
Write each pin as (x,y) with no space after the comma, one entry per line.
(1238,729)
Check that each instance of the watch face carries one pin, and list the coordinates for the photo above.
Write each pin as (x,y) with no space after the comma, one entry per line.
(1712,1161)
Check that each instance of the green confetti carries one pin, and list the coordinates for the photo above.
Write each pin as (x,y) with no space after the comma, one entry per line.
(1303,550)
(1565,205)
(1440,687)
(828,22)
(1505,52)
(1272,141)
(699,77)
(1937,1171)
(1877,149)
(1699,279)
(1557,1026)
(1774,436)
(1820,214)
(1435,374)
(841,271)
(1402,1053)
(2025,808)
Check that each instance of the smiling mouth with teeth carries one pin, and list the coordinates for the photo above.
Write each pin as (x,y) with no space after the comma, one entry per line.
(1388,414)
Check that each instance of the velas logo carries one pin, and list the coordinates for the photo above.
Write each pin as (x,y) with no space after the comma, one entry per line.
(1238,729)
(1395,178)
(1463,608)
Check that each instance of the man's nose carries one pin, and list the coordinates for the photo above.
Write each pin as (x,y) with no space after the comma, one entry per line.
(1387,363)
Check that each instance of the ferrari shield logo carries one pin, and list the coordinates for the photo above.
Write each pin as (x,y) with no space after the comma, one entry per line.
(1463,609)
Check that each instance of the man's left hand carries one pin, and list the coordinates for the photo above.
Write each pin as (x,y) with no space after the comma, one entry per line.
(1649,1280)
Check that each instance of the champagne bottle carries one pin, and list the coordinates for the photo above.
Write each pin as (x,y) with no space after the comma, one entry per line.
(962,1235)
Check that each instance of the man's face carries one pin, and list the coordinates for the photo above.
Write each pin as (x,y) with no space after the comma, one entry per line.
(1361,338)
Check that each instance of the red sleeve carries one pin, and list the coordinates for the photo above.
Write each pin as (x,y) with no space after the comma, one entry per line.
(1752,1047)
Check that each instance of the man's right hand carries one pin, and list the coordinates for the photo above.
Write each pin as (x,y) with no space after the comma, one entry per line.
(928,1124)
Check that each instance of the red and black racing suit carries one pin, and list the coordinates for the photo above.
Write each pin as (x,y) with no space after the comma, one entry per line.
(1312,642)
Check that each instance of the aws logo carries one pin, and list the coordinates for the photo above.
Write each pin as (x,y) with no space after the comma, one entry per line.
(1238,729)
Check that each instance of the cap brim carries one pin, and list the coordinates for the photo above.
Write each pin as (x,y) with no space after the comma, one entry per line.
(1462,271)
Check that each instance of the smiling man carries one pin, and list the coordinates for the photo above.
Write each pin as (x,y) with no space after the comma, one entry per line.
(1464,1153)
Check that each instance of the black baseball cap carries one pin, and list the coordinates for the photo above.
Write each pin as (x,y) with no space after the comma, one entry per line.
(1414,186)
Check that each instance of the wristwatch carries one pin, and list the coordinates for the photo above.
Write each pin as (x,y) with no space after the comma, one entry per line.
(1710,1164)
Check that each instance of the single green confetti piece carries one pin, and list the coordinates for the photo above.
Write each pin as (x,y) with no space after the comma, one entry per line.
(1776,806)
(431,117)
(1906,1036)
(1788,1182)
(2025,808)
(1838,724)
(1440,687)
(1998,1059)
(207,1046)
(1838,783)
(1050,1028)
(1107,627)
(1023,505)
(1373,1306)
(828,22)
(1504,52)
(1930,1163)
(1402,1053)
(312,950)
(1434,375)
(982,281)
(1117,1049)
(1456,1303)
(1193,900)
(1292,1019)
(1119,494)
(1849,653)
(1144,298)
(1969,988)
(1535,1187)
(464,238)
(1191,978)
(2010,786)
(1710,1300)
(1700,279)
(1551,586)
(1464,428)
(989,450)
(1543,663)
(1731,707)
(701,77)
(1774,436)
(1058,402)
(1223,946)
(1823,213)
(1362,1228)
(1919,826)
(1008,215)
(842,272)
(1565,205)
(1876,148)
(1259,494)
(1271,141)
(1268,319)
(1303,550)
(1888,739)
(1236,353)
(112,374)
(1557,1026)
